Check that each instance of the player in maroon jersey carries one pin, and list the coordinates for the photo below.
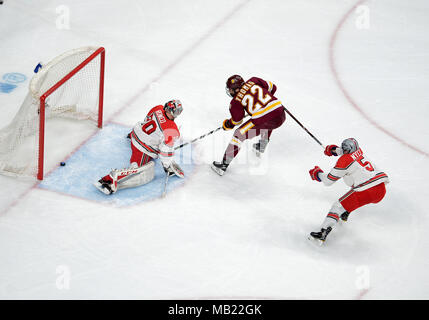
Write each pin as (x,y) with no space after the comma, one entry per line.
(256,98)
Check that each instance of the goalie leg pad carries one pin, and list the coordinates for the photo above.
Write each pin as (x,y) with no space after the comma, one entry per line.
(130,178)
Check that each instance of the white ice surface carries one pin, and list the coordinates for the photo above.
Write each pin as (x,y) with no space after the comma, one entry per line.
(242,235)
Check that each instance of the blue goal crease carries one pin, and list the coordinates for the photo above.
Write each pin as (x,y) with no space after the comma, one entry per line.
(107,150)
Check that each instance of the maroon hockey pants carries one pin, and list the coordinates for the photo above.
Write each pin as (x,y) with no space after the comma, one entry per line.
(263,126)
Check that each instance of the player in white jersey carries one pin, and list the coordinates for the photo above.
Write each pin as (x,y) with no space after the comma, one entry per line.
(151,139)
(367,183)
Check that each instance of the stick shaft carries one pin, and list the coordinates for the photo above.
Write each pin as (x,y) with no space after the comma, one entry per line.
(165,185)
(192,141)
(300,124)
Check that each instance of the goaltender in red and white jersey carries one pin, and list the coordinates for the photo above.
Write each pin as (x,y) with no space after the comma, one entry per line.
(366,180)
(151,139)
(154,137)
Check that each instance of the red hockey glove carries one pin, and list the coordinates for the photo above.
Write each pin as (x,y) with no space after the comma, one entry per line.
(314,173)
(330,150)
(227,124)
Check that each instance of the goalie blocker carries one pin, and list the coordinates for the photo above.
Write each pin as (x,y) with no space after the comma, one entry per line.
(151,139)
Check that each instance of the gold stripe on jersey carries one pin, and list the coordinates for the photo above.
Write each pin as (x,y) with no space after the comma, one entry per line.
(236,123)
(270,86)
(271,106)
(235,142)
(246,128)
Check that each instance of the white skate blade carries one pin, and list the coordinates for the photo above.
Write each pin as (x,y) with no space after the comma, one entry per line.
(258,153)
(99,186)
(217,170)
(315,241)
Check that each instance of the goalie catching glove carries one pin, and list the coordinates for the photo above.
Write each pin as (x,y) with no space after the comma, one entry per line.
(173,169)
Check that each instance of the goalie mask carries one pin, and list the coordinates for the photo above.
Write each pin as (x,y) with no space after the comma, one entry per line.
(349,145)
(174,107)
(232,84)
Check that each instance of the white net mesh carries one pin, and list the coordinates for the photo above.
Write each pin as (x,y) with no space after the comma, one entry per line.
(77,98)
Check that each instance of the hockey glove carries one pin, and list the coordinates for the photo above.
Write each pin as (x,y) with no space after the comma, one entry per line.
(314,173)
(174,169)
(168,171)
(227,124)
(330,150)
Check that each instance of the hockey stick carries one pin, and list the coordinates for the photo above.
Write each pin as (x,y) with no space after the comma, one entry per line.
(204,135)
(165,185)
(311,135)
(192,141)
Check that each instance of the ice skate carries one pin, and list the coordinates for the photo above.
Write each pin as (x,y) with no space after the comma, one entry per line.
(260,147)
(106,185)
(345,216)
(219,167)
(320,236)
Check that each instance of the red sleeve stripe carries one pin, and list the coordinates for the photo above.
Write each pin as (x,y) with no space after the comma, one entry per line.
(333,216)
(332,177)
(166,154)
(378,176)
(144,145)
(344,197)
(338,168)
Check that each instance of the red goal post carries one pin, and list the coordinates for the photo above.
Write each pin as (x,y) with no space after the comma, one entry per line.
(69,86)
(99,52)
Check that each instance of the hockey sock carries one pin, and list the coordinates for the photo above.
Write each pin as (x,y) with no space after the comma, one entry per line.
(232,150)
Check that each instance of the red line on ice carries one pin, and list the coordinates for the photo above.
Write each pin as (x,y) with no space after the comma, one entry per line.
(165,71)
(182,56)
(347,94)
(361,294)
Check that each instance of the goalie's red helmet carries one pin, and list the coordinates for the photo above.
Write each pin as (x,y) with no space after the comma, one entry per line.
(232,84)
(174,107)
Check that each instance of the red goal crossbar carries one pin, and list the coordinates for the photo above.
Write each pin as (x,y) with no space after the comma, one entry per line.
(100,51)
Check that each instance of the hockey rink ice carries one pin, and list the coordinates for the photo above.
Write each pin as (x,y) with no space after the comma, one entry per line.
(91,163)
(343,68)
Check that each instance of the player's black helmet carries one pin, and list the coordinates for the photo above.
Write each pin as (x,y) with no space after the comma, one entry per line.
(174,107)
(232,84)
(349,145)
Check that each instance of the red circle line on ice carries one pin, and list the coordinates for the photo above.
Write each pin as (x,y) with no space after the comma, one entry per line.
(347,94)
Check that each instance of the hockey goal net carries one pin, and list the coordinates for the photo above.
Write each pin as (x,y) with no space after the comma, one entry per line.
(69,86)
